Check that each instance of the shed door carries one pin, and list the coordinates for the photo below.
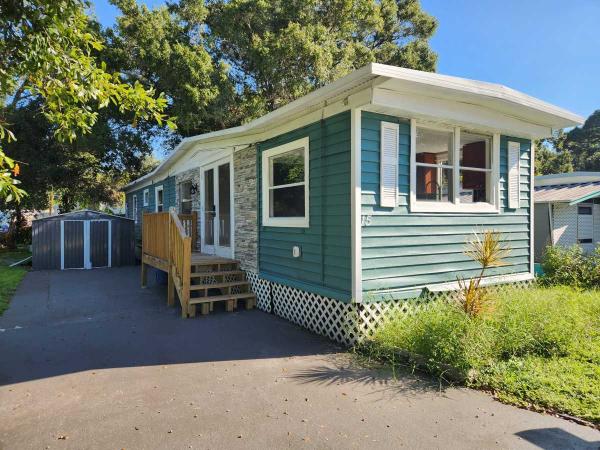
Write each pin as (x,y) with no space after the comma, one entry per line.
(99,243)
(73,244)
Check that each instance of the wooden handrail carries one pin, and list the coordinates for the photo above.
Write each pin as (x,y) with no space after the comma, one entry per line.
(190,224)
(180,262)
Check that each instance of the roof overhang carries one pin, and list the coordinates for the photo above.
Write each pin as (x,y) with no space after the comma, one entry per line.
(399,90)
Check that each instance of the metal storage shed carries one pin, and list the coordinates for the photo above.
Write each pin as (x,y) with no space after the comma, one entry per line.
(82,240)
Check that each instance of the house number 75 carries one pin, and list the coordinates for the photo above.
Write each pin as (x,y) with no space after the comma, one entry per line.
(366,221)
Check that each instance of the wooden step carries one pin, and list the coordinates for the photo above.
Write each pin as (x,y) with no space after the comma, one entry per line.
(220,298)
(200,287)
(211,261)
(216,273)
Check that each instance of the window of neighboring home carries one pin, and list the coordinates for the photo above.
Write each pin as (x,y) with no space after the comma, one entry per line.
(285,190)
(584,210)
(585,241)
(453,169)
(135,208)
(185,197)
(146,197)
(158,196)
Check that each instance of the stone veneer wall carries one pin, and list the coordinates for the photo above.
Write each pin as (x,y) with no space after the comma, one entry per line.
(245,206)
(194,175)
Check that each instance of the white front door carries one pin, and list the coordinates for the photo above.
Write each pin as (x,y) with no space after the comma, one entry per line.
(217,208)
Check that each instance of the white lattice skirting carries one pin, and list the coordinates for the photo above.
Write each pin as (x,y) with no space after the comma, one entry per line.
(346,323)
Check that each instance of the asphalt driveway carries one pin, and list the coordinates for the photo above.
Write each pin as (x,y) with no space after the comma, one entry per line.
(90,360)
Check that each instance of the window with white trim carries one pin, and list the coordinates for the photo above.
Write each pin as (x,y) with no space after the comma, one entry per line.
(158,199)
(185,197)
(135,208)
(146,197)
(285,190)
(453,170)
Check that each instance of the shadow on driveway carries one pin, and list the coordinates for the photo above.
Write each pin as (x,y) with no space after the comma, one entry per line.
(72,321)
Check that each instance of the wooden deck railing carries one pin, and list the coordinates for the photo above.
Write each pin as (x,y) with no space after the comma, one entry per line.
(180,262)
(190,225)
(155,239)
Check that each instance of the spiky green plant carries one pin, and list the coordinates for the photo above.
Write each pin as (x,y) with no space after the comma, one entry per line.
(488,250)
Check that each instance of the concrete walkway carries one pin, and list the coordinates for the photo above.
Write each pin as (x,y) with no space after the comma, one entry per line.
(90,360)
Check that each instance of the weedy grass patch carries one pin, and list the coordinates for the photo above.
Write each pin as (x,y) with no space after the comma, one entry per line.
(538,348)
(10,277)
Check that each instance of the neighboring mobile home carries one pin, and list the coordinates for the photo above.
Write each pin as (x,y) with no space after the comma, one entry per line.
(567,210)
(363,192)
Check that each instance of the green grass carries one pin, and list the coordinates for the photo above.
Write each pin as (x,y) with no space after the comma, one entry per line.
(537,348)
(10,277)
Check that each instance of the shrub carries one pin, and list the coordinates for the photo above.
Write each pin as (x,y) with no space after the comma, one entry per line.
(570,266)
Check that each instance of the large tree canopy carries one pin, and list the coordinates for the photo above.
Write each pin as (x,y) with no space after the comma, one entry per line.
(223,62)
(48,58)
(578,149)
(584,144)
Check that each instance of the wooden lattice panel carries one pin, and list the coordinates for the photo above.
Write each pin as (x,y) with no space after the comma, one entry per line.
(323,315)
(262,289)
(346,323)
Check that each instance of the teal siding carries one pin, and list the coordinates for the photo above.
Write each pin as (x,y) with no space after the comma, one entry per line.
(325,265)
(169,200)
(401,250)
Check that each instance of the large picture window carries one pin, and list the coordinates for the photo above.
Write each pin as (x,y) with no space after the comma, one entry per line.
(285,185)
(453,169)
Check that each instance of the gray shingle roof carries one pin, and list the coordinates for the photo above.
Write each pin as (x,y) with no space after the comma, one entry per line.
(572,193)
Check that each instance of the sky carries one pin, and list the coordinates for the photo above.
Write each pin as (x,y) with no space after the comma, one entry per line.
(546,48)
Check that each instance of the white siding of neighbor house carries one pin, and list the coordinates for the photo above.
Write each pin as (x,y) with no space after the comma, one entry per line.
(564,232)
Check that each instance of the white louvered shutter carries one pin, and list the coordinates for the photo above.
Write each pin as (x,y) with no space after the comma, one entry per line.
(514,156)
(388,184)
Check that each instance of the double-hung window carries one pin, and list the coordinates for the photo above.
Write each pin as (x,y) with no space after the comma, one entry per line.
(146,197)
(453,170)
(185,197)
(285,191)
(158,198)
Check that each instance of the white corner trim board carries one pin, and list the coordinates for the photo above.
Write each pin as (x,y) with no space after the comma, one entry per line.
(356,192)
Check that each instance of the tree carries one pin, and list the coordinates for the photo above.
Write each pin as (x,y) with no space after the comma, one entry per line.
(88,171)
(551,156)
(280,50)
(48,54)
(584,144)
(224,62)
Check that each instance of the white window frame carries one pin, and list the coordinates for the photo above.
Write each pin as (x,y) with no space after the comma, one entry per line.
(135,208)
(297,222)
(146,197)
(454,206)
(158,189)
(181,199)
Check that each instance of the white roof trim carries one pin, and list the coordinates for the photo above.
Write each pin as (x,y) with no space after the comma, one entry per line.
(566,178)
(461,89)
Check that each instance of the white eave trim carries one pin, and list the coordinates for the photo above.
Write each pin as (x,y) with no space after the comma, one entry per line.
(479,88)
(347,85)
